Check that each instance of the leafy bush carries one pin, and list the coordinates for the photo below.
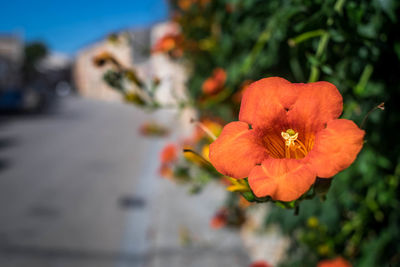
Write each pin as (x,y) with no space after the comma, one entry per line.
(356,46)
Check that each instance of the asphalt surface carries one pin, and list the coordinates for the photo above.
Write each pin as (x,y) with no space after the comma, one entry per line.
(79,187)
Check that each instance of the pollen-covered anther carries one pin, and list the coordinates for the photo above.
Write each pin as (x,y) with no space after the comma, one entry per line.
(294,148)
(290,136)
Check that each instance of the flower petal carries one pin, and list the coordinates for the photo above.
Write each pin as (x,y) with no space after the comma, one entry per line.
(237,150)
(317,103)
(336,147)
(281,179)
(265,101)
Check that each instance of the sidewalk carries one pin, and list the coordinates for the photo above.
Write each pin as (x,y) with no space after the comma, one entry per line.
(172,216)
(81,189)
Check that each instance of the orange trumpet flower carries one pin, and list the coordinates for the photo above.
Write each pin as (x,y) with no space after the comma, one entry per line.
(286,136)
(215,83)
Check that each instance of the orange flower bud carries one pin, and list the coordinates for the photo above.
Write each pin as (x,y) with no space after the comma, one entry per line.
(168,154)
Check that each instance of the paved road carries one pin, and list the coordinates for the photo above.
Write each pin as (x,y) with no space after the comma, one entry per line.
(64,177)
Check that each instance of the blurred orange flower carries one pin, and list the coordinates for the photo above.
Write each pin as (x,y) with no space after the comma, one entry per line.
(288,134)
(230,8)
(184,4)
(169,43)
(168,154)
(336,262)
(166,171)
(260,263)
(167,157)
(220,219)
(215,83)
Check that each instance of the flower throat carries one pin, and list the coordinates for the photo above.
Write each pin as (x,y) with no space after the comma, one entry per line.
(288,145)
(293,146)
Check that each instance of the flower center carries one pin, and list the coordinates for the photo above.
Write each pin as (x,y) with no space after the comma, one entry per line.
(293,146)
(290,136)
(288,144)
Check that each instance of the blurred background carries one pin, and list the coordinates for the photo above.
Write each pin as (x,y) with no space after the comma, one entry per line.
(79,184)
(96,100)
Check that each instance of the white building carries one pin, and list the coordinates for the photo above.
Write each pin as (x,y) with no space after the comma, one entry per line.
(11,59)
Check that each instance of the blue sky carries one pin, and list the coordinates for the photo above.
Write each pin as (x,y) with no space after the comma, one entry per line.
(66,26)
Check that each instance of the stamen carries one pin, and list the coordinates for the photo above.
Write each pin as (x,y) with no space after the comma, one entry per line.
(292,144)
(291,148)
(295,154)
(287,152)
(274,146)
(302,147)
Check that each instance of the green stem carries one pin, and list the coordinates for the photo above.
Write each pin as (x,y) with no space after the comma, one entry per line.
(323,42)
(305,36)
(257,48)
(381,106)
(339,6)
(362,83)
(314,75)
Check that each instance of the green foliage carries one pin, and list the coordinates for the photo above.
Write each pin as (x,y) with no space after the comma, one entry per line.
(33,53)
(114,79)
(355,45)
